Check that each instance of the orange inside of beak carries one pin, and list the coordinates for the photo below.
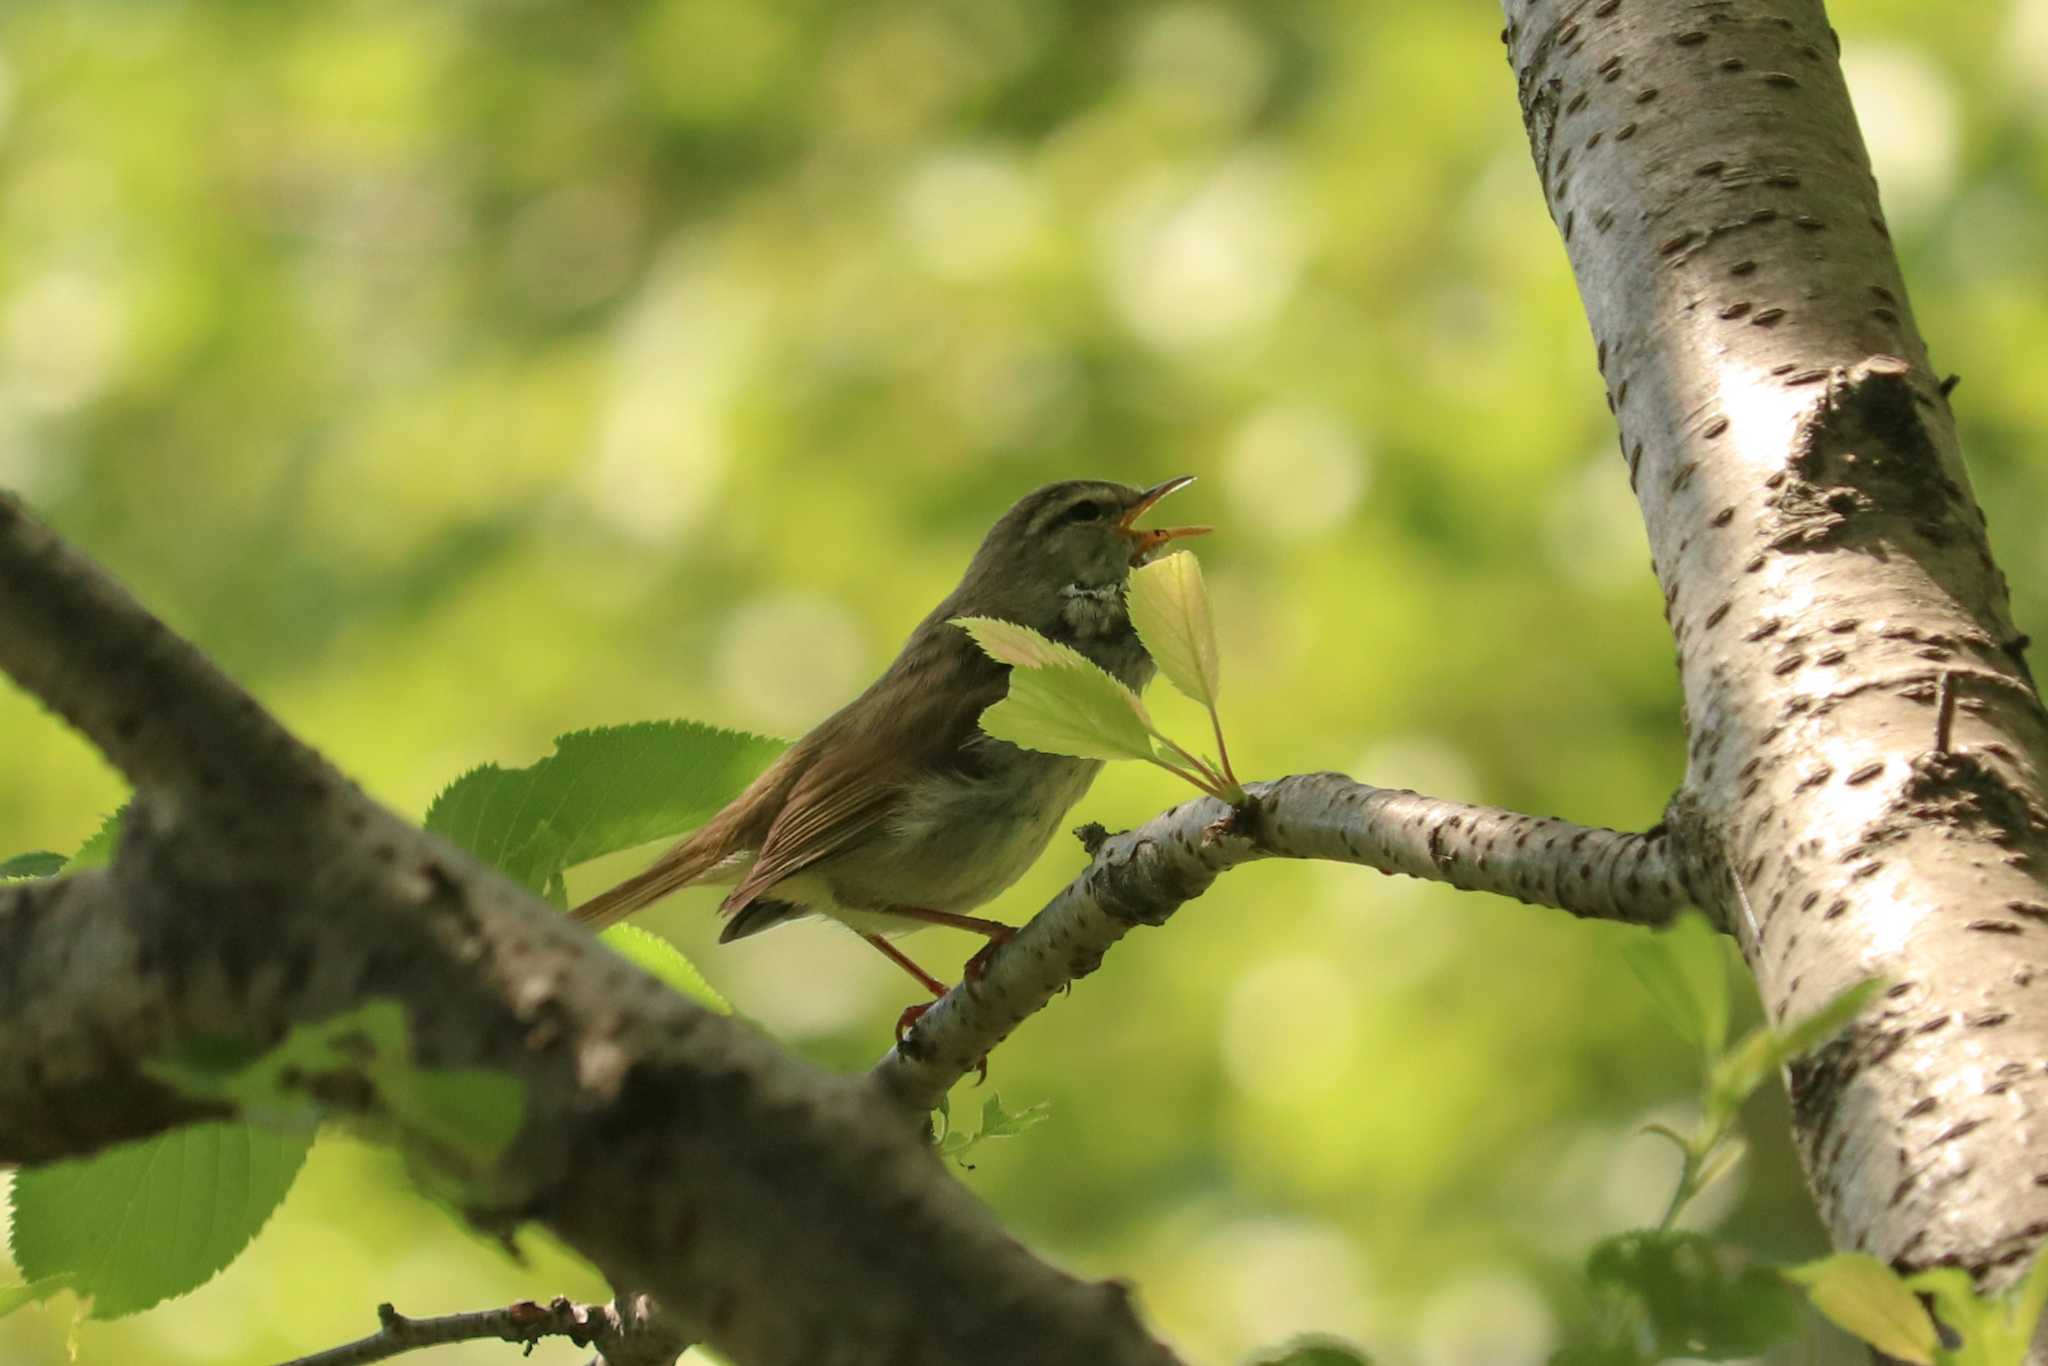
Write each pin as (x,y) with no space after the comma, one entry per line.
(1146,540)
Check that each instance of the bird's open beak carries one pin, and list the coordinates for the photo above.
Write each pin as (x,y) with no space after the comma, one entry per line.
(1146,540)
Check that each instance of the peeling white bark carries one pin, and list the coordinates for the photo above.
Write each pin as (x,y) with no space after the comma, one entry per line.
(1827,579)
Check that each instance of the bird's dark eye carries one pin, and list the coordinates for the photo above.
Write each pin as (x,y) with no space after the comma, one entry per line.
(1091,510)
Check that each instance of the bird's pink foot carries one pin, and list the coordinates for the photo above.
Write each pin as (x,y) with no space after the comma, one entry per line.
(911,1015)
(977,966)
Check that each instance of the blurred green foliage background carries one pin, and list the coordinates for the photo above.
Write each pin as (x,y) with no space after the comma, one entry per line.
(463,373)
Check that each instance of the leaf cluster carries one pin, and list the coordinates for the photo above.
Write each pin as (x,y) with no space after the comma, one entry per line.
(1062,702)
(1663,1293)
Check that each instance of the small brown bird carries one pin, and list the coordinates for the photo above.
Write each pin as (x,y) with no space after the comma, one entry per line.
(897,811)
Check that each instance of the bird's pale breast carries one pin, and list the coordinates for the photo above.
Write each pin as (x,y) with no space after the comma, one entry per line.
(957,841)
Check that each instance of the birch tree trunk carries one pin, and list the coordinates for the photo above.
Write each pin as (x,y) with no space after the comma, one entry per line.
(1863,795)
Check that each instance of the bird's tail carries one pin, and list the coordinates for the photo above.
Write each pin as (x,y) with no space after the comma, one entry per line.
(677,868)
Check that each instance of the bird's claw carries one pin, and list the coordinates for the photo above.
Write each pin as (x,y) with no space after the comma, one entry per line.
(912,1014)
(978,966)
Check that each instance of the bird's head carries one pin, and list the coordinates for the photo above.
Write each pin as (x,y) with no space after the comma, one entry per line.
(1081,533)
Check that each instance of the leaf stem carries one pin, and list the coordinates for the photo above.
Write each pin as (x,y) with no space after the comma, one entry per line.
(1206,769)
(1222,750)
(1197,778)
(1682,1196)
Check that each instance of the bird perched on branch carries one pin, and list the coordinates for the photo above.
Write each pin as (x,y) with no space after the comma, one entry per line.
(897,811)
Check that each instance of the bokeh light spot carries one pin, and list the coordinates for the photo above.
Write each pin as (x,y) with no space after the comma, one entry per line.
(787,660)
(1486,1319)
(970,213)
(63,338)
(1270,1279)
(1290,1030)
(1296,470)
(1188,265)
(1201,65)
(1908,114)
(688,344)
(1592,528)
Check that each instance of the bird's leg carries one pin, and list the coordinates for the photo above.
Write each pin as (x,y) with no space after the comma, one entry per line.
(998,934)
(903,960)
(930,983)
(925,979)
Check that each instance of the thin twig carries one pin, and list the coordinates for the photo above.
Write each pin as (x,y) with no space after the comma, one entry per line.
(1945,713)
(639,1334)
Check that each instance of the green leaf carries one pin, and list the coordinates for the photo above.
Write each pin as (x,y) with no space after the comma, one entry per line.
(470,1112)
(1313,1351)
(13,1297)
(1169,604)
(1865,1297)
(599,792)
(1685,969)
(2021,1309)
(1700,1298)
(1831,1019)
(1060,701)
(1763,1051)
(1619,1350)
(98,851)
(656,955)
(1997,1331)
(1019,646)
(1067,713)
(1719,1160)
(1973,1321)
(2030,1296)
(41,863)
(140,1223)
(996,1122)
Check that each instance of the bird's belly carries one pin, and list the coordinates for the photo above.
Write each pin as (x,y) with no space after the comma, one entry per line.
(956,842)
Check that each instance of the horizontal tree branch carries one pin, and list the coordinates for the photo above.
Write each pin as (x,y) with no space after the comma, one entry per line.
(1142,876)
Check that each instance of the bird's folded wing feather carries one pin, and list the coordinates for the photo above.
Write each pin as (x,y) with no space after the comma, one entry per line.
(870,752)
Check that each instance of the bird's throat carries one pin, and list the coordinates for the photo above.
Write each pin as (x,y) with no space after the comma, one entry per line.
(1088,612)
(1093,620)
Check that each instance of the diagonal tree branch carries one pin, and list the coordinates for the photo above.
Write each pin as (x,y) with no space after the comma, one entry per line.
(1142,876)
(680,1151)
(152,703)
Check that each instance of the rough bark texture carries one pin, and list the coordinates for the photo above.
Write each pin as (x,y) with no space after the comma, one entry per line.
(1864,789)
(1142,876)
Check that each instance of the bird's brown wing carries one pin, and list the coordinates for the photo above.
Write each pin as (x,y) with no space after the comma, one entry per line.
(913,722)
